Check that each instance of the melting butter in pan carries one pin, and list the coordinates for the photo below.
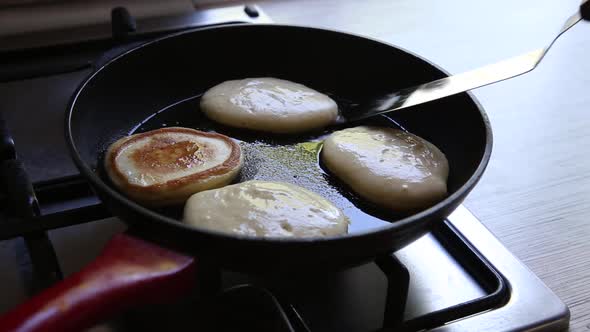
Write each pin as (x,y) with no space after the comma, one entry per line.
(265,209)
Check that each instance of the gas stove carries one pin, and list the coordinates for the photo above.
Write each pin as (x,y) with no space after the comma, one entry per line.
(458,277)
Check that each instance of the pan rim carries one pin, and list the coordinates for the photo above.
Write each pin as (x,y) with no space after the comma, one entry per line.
(398,225)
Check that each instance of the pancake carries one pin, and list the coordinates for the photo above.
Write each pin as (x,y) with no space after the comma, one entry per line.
(166,166)
(389,167)
(268,104)
(265,209)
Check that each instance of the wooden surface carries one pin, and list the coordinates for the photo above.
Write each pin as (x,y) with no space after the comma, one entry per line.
(535,195)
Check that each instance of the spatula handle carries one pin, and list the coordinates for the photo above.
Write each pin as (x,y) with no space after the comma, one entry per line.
(585,10)
(462,82)
(129,272)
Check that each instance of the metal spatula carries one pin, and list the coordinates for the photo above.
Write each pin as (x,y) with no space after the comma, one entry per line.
(461,82)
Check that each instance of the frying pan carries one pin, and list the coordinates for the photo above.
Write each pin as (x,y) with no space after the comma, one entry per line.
(159,83)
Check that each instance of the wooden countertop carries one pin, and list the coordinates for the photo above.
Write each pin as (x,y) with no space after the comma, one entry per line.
(535,195)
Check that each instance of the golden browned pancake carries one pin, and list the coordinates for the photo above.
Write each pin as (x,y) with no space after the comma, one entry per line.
(265,209)
(166,166)
(268,104)
(389,167)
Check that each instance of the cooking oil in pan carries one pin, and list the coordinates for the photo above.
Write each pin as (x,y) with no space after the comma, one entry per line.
(286,158)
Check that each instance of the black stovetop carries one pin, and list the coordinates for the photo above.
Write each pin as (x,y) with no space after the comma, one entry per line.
(458,277)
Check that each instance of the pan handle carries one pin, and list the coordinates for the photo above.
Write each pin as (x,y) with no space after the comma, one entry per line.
(129,272)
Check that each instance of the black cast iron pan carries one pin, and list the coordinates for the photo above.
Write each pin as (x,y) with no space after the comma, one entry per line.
(158,84)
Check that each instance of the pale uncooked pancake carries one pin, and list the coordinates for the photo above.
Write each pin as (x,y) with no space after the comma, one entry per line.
(268,104)
(389,167)
(166,166)
(265,209)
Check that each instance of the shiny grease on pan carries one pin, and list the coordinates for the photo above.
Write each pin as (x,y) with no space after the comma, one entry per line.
(288,158)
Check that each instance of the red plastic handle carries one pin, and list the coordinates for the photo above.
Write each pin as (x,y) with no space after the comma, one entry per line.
(129,272)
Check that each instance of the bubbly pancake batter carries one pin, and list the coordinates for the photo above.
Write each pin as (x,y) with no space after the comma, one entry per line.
(389,167)
(265,209)
(268,104)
